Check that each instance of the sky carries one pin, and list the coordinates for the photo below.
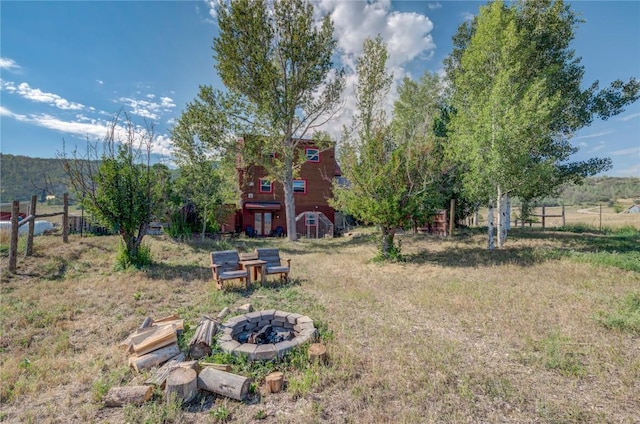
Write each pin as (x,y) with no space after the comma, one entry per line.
(66,68)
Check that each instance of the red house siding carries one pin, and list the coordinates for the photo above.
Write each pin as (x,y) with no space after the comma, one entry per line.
(265,212)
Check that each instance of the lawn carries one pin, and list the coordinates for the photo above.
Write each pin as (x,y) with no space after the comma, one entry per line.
(546,330)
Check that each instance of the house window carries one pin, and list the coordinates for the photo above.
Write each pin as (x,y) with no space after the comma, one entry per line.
(266,186)
(313,155)
(310,219)
(299,186)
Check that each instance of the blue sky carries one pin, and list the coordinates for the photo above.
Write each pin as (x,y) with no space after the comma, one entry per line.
(67,67)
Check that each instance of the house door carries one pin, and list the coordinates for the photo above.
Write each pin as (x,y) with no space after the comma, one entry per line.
(262,223)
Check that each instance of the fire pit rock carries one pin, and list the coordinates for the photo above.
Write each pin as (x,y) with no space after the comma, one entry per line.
(265,335)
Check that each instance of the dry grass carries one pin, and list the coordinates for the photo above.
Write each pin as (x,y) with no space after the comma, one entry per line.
(455,334)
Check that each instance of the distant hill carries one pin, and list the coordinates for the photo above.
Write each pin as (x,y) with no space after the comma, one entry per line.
(21,177)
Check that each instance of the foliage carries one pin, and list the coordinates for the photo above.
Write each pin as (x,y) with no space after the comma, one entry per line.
(516,92)
(119,187)
(391,169)
(276,64)
(124,261)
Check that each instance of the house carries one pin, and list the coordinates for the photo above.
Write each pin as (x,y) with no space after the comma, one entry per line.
(633,209)
(262,211)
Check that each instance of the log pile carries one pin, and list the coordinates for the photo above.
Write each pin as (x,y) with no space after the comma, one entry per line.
(154,342)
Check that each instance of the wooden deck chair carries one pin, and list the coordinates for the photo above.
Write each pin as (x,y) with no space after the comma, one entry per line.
(225,265)
(274,264)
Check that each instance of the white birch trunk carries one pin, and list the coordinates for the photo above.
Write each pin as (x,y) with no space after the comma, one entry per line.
(502,218)
(289,201)
(490,226)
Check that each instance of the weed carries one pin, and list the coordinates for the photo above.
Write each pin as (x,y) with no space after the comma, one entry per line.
(220,413)
(559,353)
(625,315)
(261,414)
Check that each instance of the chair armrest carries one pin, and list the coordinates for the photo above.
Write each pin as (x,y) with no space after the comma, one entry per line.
(288,260)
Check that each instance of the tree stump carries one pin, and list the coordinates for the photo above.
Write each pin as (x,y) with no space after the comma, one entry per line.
(183,382)
(275,381)
(119,396)
(317,353)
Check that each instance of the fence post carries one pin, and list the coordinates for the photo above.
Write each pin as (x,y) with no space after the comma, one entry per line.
(13,246)
(65,219)
(564,223)
(543,216)
(32,224)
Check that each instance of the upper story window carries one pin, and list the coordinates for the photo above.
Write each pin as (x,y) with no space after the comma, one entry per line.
(266,186)
(300,186)
(312,154)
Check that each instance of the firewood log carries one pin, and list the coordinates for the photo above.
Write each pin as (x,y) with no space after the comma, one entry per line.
(154,358)
(159,377)
(200,344)
(148,342)
(119,396)
(183,383)
(224,383)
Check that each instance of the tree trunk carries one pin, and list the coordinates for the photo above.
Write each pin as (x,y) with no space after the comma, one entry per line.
(204,223)
(387,241)
(289,201)
(490,225)
(502,218)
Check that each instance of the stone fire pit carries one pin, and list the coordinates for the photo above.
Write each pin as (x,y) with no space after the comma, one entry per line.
(265,335)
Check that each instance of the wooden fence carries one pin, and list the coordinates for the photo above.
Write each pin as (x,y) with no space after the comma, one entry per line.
(544,216)
(30,220)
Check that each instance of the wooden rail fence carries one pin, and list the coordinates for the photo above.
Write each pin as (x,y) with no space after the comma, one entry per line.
(30,219)
(544,216)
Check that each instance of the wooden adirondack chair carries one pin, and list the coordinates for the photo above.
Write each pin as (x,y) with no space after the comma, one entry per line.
(274,264)
(225,265)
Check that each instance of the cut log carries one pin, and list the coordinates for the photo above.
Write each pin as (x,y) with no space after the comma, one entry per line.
(127,344)
(148,342)
(192,365)
(275,381)
(317,353)
(182,383)
(160,376)
(220,367)
(154,358)
(172,317)
(200,344)
(148,322)
(178,323)
(119,396)
(223,313)
(224,383)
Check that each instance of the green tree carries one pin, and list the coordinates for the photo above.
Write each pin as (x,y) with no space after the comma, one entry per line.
(276,64)
(517,100)
(387,165)
(120,187)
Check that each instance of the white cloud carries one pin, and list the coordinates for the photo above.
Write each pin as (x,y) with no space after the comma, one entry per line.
(594,135)
(212,5)
(95,129)
(597,147)
(148,109)
(407,35)
(468,16)
(100,82)
(629,117)
(9,64)
(632,171)
(35,94)
(627,152)
(433,6)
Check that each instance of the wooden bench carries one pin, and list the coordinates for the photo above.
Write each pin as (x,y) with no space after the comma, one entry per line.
(274,264)
(225,265)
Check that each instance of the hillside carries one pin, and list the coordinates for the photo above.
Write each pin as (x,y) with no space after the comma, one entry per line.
(22,176)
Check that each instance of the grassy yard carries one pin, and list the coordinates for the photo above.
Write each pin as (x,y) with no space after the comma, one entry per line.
(547,330)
